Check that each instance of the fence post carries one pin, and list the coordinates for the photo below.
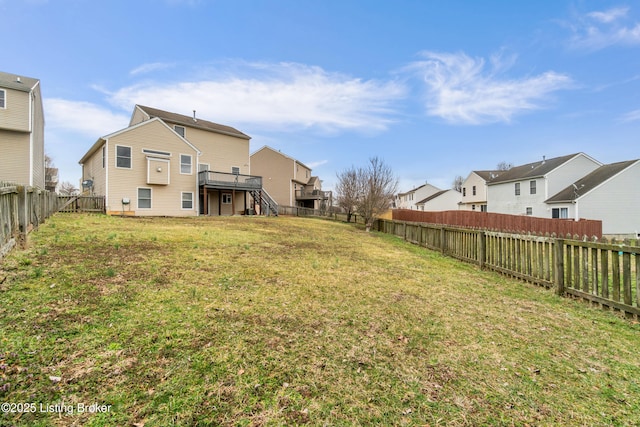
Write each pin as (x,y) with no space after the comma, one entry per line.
(558,263)
(482,245)
(443,244)
(23,215)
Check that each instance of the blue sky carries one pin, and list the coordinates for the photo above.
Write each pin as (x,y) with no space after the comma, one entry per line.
(435,88)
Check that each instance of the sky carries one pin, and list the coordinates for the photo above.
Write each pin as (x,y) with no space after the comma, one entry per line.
(434,88)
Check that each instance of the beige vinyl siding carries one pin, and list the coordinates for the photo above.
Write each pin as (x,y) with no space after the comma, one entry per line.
(16,114)
(276,171)
(14,161)
(138,117)
(93,169)
(221,152)
(38,139)
(123,183)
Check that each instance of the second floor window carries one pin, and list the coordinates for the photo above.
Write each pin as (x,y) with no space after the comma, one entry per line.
(464,191)
(185,163)
(532,187)
(123,157)
(179,130)
(517,188)
(473,190)
(3,98)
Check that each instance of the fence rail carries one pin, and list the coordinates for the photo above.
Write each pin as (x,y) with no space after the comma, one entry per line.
(22,209)
(82,204)
(603,273)
(505,223)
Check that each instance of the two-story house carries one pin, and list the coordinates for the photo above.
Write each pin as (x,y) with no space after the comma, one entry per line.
(288,181)
(411,198)
(474,190)
(171,164)
(444,200)
(610,193)
(21,131)
(523,190)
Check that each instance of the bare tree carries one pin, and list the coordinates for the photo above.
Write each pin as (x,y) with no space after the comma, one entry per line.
(377,188)
(68,189)
(504,166)
(348,191)
(457,183)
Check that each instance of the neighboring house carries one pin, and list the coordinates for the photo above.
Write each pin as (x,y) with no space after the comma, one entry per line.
(609,193)
(523,190)
(474,190)
(21,131)
(288,181)
(444,200)
(170,164)
(410,199)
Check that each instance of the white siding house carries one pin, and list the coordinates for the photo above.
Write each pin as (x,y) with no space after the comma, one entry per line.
(474,190)
(523,190)
(445,200)
(609,193)
(410,199)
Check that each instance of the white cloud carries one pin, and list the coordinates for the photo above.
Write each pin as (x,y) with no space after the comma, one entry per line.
(274,96)
(460,90)
(631,116)
(315,164)
(147,68)
(601,29)
(84,118)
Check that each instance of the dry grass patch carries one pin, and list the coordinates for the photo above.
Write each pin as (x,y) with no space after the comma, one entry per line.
(288,321)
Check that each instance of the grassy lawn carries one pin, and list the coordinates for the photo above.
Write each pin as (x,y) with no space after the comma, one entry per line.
(288,321)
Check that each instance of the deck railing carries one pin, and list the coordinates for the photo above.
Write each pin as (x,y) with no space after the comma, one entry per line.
(226,180)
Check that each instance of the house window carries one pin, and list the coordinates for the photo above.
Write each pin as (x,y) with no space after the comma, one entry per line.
(185,164)
(473,190)
(226,198)
(123,157)
(104,156)
(473,207)
(529,211)
(144,198)
(560,213)
(483,208)
(464,191)
(179,130)
(532,187)
(235,170)
(3,98)
(517,188)
(187,200)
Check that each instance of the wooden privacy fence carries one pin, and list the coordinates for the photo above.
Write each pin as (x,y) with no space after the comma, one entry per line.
(603,273)
(82,204)
(522,224)
(22,209)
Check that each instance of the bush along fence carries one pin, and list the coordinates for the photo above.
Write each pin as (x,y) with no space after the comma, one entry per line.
(22,209)
(607,274)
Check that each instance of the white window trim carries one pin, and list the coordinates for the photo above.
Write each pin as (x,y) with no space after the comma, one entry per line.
(4,106)
(150,197)
(130,158)
(190,164)
(182,193)
(224,196)
(155,153)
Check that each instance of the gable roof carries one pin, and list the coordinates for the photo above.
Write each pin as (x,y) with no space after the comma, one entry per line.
(589,182)
(14,81)
(188,121)
(266,147)
(433,196)
(489,175)
(103,139)
(533,170)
